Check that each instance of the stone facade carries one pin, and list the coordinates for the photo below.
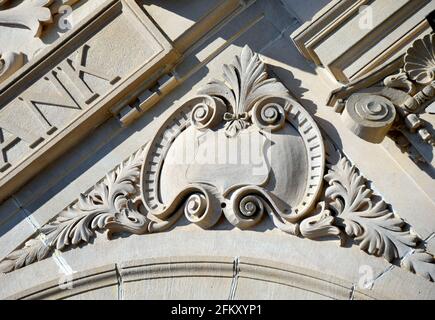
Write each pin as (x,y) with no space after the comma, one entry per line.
(223,149)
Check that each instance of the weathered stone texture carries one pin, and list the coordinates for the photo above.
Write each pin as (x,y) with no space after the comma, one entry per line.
(336,96)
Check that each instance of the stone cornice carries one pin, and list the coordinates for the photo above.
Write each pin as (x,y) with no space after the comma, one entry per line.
(137,198)
(380,32)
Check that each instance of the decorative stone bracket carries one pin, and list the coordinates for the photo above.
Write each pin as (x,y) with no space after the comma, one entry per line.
(401,106)
(150,191)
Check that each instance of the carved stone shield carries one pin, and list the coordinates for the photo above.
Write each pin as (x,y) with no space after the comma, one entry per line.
(243,147)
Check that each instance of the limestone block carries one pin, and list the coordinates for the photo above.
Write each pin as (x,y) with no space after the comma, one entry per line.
(187,266)
(250,289)
(67,94)
(186,25)
(178,278)
(15,283)
(15,227)
(105,293)
(98,283)
(185,288)
(286,282)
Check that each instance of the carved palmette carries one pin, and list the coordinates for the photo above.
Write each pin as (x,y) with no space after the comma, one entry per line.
(243,149)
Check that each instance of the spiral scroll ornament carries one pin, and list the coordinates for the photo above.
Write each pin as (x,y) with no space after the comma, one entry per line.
(195,207)
(269,114)
(207,113)
(250,206)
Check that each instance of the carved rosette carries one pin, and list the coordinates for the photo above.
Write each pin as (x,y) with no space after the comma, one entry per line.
(245,150)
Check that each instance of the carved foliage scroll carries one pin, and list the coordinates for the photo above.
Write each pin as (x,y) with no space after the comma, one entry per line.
(157,185)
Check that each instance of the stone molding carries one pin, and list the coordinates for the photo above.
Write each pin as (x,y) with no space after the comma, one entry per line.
(145,194)
(66,92)
(196,266)
(94,279)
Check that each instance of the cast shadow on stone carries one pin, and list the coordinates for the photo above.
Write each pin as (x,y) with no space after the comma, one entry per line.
(298,92)
(277,14)
(50,35)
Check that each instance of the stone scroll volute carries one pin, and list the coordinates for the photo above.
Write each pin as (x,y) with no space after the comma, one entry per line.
(243,149)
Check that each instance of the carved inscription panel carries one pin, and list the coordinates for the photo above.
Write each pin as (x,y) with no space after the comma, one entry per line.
(77,80)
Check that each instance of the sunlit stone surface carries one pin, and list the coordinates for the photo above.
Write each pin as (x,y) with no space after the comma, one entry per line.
(222,149)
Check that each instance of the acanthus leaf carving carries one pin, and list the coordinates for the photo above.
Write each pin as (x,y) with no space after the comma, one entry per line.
(321,224)
(151,190)
(349,209)
(421,263)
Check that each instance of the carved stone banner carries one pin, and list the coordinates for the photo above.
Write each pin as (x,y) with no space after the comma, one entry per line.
(242,149)
(71,89)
